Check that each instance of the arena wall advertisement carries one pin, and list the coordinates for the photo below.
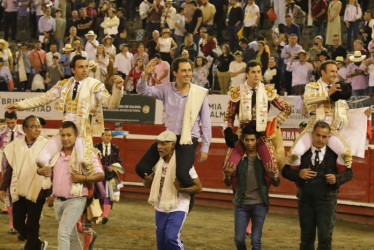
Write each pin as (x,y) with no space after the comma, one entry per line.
(47,112)
(140,109)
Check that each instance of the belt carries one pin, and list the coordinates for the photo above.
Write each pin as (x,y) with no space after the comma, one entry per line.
(62,198)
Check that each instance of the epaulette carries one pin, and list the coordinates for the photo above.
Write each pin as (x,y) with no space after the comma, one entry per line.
(314,84)
(270,92)
(63,82)
(2,129)
(234,94)
(97,86)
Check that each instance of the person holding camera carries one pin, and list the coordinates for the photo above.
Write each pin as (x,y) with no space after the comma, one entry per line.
(302,72)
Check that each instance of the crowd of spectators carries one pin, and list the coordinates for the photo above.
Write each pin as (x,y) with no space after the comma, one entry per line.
(218,36)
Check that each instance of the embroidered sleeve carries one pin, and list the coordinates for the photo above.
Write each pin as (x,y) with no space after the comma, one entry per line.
(103,96)
(41,100)
(284,107)
(232,111)
(312,94)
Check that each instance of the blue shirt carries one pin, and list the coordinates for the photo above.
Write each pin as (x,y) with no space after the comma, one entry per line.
(65,58)
(294,29)
(174,105)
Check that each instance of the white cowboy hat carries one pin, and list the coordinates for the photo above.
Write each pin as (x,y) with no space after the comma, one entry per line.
(357,57)
(339,59)
(67,47)
(92,64)
(91,33)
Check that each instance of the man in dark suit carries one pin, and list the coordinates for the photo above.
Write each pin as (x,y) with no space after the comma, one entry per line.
(366,30)
(109,156)
(318,180)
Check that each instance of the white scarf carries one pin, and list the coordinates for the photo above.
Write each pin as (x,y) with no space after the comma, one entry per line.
(25,181)
(245,109)
(192,109)
(168,199)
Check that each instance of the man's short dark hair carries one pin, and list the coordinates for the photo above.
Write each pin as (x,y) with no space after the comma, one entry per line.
(193,2)
(323,66)
(177,61)
(75,59)
(25,122)
(105,130)
(249,130)
(69,124)
(252,64)
(243,40)
(260,38)
(370,12)
(321,124)
(10,115)
(157,55)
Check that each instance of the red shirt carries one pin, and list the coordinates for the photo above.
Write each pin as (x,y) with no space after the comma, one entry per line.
(317,6)
(136,75)
(91,12)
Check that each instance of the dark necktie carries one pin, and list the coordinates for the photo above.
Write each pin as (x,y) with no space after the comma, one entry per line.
(106,150)
(75,89)
(253,97)
(316,159)
(12,136)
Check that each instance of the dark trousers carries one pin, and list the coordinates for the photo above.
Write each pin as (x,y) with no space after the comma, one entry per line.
(316,211)
(29,228)
(10,22)
(250,33)
(185,157)
(152,27)
(233,37)
(352,34)
(219,23)
(288,82)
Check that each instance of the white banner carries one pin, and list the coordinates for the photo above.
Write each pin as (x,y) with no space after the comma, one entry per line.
(47,112)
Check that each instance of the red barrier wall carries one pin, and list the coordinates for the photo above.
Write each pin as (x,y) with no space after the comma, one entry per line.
(356,198)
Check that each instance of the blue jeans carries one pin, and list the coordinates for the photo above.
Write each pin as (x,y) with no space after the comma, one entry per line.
(320,29)
(360,92)
(68,213)
(352,33)
(243,213)
(168,229)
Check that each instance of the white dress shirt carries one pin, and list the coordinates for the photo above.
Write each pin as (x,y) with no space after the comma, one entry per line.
(352,13)
(123,63)
(301,73)
(106,151)
(321,154)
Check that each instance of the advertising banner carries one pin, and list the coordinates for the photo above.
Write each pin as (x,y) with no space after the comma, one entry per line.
(133,109)
(47,112)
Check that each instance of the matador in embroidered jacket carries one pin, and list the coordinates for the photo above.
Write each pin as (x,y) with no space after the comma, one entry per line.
(251,101)
(80,99)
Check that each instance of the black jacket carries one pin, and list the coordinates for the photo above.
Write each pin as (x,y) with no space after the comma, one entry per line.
(327,166)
